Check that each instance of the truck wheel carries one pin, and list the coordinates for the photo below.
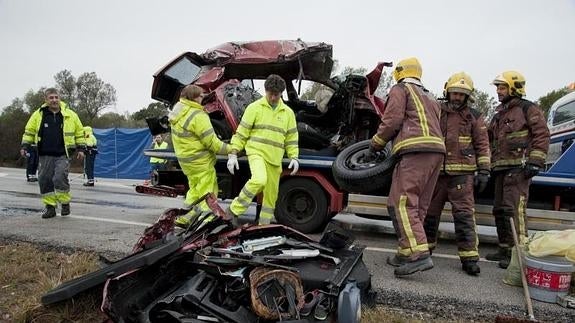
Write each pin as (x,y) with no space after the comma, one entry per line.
(302,205)
(352,174)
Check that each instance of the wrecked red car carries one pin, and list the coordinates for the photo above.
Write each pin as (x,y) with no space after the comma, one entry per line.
(344,113)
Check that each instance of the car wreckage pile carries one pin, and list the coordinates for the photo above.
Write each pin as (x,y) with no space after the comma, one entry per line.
(213,272)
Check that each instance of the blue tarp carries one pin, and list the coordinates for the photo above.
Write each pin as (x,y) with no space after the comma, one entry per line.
(121,153)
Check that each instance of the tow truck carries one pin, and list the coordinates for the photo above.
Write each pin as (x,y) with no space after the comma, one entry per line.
(333,129)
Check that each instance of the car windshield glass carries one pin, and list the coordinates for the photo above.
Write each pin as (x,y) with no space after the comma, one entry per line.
(564,113)
(184,71)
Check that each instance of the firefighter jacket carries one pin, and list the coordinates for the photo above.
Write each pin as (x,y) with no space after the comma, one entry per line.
(411,120)
(267,132)
(73,131)
(518,133)
(193,135)
(466,141)
(91,141)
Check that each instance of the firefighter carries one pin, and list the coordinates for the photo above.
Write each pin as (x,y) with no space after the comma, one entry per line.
(267,131)
(411,123)
(466,164)
(519,142)
(91,152)
(196,145)
(58,133)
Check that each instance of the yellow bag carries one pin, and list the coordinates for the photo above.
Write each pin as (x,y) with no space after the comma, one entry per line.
(553,243)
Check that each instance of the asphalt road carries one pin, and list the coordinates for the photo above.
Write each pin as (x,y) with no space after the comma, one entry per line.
(109,217)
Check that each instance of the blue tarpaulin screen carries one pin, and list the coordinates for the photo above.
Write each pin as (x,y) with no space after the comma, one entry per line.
(121,153)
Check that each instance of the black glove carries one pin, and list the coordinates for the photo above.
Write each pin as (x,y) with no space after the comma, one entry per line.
(481,179)
(531,170)
(370,155)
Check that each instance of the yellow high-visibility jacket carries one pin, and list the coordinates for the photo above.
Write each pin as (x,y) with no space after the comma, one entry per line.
(73,129)
(193,135)
(156,160)
(267,132)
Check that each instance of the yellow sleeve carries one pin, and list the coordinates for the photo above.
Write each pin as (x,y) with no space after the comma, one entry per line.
(292,138)
(244,129)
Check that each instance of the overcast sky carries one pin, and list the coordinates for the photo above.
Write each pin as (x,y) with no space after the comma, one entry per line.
(125,42)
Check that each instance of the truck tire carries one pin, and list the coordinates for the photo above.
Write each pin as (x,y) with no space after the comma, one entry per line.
(356,176)
(302,205)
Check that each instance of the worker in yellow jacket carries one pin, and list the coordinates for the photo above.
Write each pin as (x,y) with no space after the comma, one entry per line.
(91,152)
(58,133)
(196,145)
(267,131)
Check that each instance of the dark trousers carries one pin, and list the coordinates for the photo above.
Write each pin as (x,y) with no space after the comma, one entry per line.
(510,200)
(458,190)
(413,181)
(89,161)
(32,161)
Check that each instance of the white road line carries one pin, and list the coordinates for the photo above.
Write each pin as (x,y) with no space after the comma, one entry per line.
(90,218)
(3,174)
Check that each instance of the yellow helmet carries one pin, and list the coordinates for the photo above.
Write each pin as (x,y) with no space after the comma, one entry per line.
(408,67)
(514,80)
(458,82)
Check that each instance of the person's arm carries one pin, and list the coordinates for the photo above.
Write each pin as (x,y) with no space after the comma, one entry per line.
(243,131)
(481,144)
(392,118)
(292,138)
(205,131)
(539,145)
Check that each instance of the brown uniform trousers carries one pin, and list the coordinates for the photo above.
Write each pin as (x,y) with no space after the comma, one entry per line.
(458,190)
(511,195)
(412,186)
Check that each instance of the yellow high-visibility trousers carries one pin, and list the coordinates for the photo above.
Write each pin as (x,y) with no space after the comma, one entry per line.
(201,180)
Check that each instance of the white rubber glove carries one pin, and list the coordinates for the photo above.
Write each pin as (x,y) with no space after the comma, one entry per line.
(233,163)
(294,166)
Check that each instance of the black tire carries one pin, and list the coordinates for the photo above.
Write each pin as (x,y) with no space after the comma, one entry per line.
(354,175)
(221,128)
(302,205)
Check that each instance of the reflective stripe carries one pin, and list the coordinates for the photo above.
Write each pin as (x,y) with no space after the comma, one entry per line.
(378,140)
(247,193)
(190,118)
(243,202)
(245,125)
(420,111)
(242,137)
(405,221)
(518,134)
(521,217)
(507,162)
(29,134)
(267,212)
(468,254)
(267,142)
(538,154)
(465,139)
(408,251)
(291,143)
(224,149)
(71,134)
(183,134)
(195,157)
(418,140)
(268,209)
(291,131)
(207,133)
(460,167)
(270,128)
(483,160)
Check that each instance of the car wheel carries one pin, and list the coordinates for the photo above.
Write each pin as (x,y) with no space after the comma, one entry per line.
(353,174)
(221,128)
(302,205)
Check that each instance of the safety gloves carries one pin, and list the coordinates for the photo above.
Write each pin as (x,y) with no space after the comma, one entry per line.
(293,165)
(531,170)
(233,163)
(481,179)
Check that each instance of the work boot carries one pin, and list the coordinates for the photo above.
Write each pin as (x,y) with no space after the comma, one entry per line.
(410,267)
(500,254)
(65,210)
(49,212)
(89,183)
(504,263)
(397,260)
(470,267)
(32,178)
